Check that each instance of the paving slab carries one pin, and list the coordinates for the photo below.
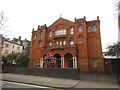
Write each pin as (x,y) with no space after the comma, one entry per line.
(57,82)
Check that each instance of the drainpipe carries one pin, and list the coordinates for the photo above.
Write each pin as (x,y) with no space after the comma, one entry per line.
(78,67)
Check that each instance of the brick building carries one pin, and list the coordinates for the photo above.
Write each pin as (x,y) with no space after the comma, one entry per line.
(74,44)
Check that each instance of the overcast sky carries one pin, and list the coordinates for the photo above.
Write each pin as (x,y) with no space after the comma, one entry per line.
(27,14)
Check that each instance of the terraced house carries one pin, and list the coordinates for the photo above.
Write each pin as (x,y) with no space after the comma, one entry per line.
(74,44)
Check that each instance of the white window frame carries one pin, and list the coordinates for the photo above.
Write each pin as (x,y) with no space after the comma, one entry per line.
(71,42)
(64,42)
(80,28)
(57,42)
(35,36)
(50,34)
(71,30)
(89,29)
(56,32)
(41,34)
(40,43)
(18,48)
(60,43)
(50,44)
(94,63)
(13,46)
(80,39)
(94,29)
(60,32)
(64,31)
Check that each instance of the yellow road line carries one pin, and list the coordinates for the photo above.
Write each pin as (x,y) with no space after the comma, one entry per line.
(2,83)
(25,84)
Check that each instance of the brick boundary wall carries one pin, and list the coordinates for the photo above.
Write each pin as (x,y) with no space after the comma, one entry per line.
(47,72)
(66,73)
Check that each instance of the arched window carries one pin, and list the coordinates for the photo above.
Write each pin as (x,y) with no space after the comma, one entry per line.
(80,39)
(50,33)
(94,28)
(40,43)
(60,32)
(60,43)
(71,42)
(41,34)
(34,37)
(71,30)
(56,32)
(64,31)
(89,29)
(56,42)
(49,43)
(80,28)
(94,63)
(64,42)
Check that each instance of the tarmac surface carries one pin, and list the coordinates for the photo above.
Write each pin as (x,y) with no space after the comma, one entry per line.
(57,82)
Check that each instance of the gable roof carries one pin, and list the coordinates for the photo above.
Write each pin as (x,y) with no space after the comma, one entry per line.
(61,21)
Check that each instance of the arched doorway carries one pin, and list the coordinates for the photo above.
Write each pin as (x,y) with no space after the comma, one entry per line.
(43,60)
(68,60)
(49,60)
(58,60)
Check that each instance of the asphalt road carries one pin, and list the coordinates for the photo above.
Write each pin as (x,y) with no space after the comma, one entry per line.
(6,85)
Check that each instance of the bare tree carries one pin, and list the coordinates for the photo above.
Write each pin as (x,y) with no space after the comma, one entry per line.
(118,20)
(3,20)
(118,14)
(114,50)
(4,29)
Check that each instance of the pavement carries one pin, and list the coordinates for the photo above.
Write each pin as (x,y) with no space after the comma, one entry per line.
(57,82)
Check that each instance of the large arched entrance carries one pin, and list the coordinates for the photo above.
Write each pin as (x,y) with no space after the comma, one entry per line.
(49,60)
(68,60)
(43,60)
(58,60)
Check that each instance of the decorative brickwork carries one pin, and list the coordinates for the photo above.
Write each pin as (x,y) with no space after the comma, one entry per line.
(74,44)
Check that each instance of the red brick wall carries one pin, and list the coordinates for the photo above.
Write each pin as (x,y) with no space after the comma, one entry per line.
(90,49)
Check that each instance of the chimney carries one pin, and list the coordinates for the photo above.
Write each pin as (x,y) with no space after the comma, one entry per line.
(97,17)
(38,26)
(75,19)
(19,37)
(84,17)
(33,30)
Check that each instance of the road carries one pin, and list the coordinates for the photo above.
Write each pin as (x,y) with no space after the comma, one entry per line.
(9,84)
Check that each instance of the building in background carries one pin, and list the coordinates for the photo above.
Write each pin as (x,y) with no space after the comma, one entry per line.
(74,44)
(26,46)
(11,47)
(25,43)
(15,46)
(111,63)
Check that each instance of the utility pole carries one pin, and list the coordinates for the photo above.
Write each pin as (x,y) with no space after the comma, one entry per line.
(1,45)
(119,22)
(118,56)
(118,46)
